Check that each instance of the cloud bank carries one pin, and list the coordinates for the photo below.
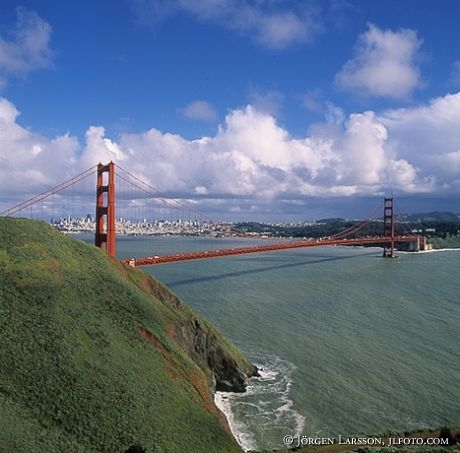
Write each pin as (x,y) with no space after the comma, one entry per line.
(252,162)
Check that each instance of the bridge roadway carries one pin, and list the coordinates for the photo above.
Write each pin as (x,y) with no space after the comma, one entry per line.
(202,255)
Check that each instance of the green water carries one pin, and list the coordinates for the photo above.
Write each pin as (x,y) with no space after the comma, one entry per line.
(348,342)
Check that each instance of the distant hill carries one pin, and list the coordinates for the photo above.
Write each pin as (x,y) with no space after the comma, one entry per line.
(435,216)
(96,356)
(330,220)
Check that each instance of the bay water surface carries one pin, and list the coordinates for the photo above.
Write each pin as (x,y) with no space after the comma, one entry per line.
(347,342)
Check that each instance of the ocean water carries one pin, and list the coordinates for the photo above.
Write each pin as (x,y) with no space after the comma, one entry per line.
(347,342)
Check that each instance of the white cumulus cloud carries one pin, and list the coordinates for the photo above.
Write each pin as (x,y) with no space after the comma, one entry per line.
(199,110)
(275,25)
(31,162)
(268,102)
(428,136)
(28,47)
(385,64)
(252,160)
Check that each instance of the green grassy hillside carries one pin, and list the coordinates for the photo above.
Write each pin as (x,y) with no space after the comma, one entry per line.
(96,356)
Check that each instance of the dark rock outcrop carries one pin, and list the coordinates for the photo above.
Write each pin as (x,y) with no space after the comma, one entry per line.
(227,369)
(208,351)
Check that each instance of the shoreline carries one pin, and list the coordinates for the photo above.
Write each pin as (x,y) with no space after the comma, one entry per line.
(387,440)
(221,400)
(267,397)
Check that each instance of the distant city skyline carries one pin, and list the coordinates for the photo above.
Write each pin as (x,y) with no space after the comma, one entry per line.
(288,110)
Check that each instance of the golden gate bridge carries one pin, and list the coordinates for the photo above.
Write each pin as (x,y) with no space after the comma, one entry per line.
(110,176)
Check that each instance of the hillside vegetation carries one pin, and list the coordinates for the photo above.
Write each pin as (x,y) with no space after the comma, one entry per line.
(96,356)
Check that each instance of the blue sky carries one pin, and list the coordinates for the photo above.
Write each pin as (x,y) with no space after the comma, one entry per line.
(264,109)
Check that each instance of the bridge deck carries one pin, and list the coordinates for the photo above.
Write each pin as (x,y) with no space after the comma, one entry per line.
(201,255)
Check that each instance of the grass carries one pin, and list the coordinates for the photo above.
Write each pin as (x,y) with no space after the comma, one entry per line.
(88,359)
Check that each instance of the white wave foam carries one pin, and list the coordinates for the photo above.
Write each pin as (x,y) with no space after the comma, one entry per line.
(261,416)
(422,252)
(244,438)
(440,250)
(267,374)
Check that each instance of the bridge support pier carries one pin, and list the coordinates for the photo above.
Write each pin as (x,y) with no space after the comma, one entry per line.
(388,228)
(105,209)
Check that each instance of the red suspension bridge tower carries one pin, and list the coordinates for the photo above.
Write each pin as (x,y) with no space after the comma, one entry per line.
(388,228)
(105,208)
